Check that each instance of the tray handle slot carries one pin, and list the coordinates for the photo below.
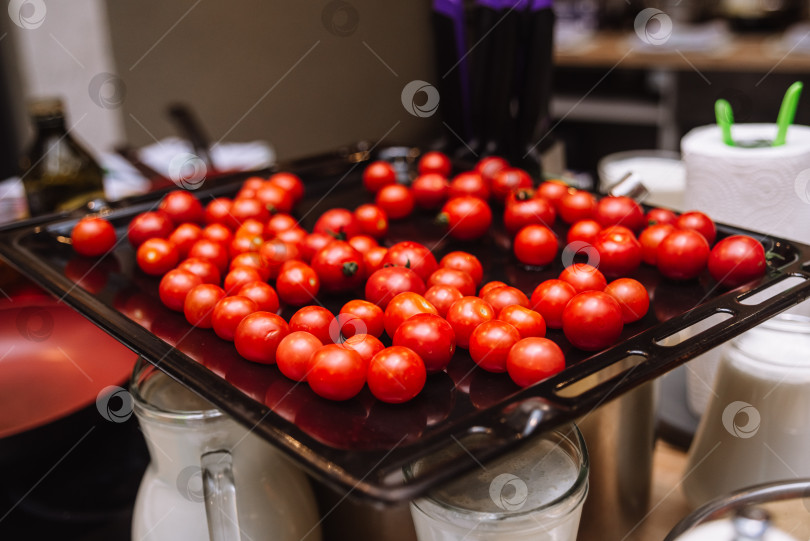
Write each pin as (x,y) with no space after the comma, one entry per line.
(754,298)
(686,333)
(612,373)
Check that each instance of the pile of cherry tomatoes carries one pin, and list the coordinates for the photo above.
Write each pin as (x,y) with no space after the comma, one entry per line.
(217,263)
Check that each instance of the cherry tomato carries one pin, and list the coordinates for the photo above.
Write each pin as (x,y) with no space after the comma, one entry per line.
(501,297)
(535,245)
(366,345)
(620,211)
(148,225)
(157,256)
(583,277)
(184,238)
(396,375)
(430,190)
(464,262)
(228,313)
(378,175)
(218,211)
(363,243)
(508,180)
(297,283)
(245,209)
(682,255)
(489,286)
(395,200)
(697,221)
(312,244)
(583,231)
(274,198)
(362,317)
(576,206)
(294,236)
(252,260)
(534,359)
(592,320)
(202,268)
(468,217)
(525,209)
(181,206)
(442,297)
(339,267)
(414,256)
(435,162)
(315,320)
(258,335)
(526,321)
(404,306)
(277,223)
(465,315)
(245,244)
(211,251)
(289,182)
(650,238)
(240,276)
(490,166)
(429,336)
(661,216)
(490,343)
(174,286)
(549,299)
(338,223)
(93,236)
(632,297)
(274,253)
(388,282)
(336,373)
(262,294)
(217,233)
(619,251)
(553,191)
(199,304)
(736,260)
(372,220)
(454,278)
(294,354)
(469,183)
(373,259)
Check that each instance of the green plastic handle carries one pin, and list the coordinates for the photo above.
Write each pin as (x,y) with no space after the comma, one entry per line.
(725,118)
(787,112)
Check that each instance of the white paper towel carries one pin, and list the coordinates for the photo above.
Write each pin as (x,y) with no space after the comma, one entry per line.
(764,189)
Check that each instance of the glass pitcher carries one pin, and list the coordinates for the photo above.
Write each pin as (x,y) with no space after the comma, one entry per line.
(209,477)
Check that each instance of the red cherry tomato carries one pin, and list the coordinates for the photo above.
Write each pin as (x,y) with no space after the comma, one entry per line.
(414,256)
(199,304)
(338,223)
(576,206)
(363,243)
(396,201)
(489,286)
(619,251)
(277,223)
(501,297)
(697,221)
(336,373)
(252,260)
(245,244)
(289,182)
(583,277)
(632,297)
(464,262)
(218,211)
(467,218)
(339,267)
(429,336)
(174,286)
(650,238)
(93,237)
(388,282)
(553,191)
(661,216)
(297,284)
(217,233)
(184,238)
(736,260)
(583,231)
(377,175)
(534,359)
(294,236)
(454,278)
(430,190)
(262,294)
(526,321)
(371,220)
(258,335)
(312,244)
(148,225)
(549,299)
(442,297)
(435,162)
(240,276)
(361,317)
(620,211)
(245,209)
(508,180)
(210,251)
(490,166)
(202,268)
(469,183)
(396,375)
(181,206)
(274,198)
(228,313)
(315,320)
(490,343)
(465,315)
(525,209)
(295,352)
(373,259)
(157,256)
(682,255)
(592,320)
(404,306)
(365,345)
(274,253)
(535,245)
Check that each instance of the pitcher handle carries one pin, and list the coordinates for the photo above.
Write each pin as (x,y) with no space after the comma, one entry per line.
(220,496)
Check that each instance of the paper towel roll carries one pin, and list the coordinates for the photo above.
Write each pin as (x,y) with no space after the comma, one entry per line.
(765,189)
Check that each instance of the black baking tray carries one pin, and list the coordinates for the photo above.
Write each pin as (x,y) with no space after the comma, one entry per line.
(360,446)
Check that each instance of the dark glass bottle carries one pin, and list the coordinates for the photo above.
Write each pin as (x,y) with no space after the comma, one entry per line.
(58,174)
